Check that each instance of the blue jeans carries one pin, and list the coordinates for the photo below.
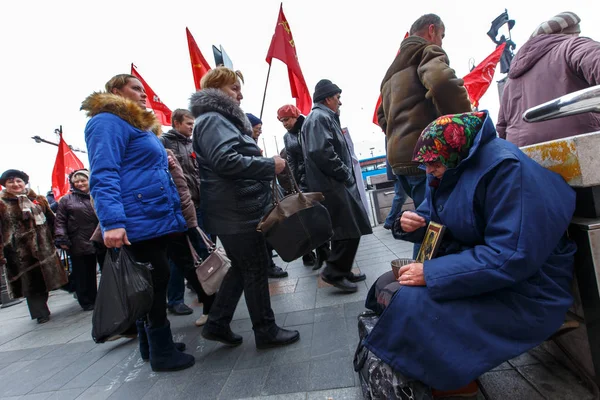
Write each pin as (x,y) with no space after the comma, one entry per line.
(415,187)
(176,286)
(397,203)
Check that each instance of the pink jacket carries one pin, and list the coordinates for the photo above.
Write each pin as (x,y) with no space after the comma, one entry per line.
(547,67)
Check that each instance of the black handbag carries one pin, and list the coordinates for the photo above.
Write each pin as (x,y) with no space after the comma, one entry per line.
(297,223)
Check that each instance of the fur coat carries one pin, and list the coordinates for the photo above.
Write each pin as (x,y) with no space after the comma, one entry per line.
(27,250)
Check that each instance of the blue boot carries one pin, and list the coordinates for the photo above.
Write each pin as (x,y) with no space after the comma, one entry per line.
(143,339)
(163,354)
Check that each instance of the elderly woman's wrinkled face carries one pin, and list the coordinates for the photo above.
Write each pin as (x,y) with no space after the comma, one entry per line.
(234,91)
(80,182)
(134,91)
(288,122)
(15,185)
(256,131)
(436,169)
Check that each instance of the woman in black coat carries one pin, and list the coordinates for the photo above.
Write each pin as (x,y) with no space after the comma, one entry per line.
(235,181)
(75,223)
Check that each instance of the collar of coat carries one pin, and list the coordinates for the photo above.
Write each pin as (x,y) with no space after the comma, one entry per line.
(298,125)
(5,195)
(215,100)
(127,110)
(172,134)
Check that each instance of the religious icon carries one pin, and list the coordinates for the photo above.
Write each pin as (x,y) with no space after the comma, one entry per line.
(431,242)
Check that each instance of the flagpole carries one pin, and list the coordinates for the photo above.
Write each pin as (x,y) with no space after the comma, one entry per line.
(265,93)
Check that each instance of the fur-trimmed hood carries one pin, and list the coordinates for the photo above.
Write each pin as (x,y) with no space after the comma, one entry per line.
(128,110)
(215,100)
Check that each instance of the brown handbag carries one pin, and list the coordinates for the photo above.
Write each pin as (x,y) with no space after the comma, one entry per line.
(297,223)
(211,271)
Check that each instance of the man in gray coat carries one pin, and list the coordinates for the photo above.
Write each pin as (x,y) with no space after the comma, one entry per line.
(328,165)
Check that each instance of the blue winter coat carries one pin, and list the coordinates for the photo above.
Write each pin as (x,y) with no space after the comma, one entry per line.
(130,181)
(508,287)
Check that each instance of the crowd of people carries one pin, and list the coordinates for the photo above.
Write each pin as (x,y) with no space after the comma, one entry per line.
(501,280)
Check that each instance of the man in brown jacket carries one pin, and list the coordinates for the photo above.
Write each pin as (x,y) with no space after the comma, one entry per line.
(418,87)
(555,61)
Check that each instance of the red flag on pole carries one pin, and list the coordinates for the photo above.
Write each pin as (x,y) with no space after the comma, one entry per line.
(66,162)
(375,119)
(199,64)
(162,112)
(283,48)
(480,78)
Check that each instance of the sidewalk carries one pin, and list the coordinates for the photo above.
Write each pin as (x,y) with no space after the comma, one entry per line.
(58,360)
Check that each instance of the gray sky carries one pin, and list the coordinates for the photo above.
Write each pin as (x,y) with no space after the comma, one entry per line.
(58,52)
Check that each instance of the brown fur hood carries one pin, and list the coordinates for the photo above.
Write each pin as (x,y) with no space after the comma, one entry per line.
(101,102)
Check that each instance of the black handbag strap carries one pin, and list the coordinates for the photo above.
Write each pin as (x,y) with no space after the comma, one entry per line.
(296,189)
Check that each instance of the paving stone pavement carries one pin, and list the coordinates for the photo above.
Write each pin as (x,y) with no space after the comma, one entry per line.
(59,360)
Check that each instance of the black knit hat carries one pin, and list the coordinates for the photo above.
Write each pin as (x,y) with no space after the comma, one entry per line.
(324,89)
(13,173)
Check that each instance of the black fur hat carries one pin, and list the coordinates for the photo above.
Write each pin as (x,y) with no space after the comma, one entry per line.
(13,173)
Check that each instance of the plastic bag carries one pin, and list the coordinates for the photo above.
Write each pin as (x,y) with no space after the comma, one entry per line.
(125,294)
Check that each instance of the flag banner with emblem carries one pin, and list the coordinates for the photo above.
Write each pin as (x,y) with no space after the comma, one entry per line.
(480,78)
(162,112)
(199,64)
(66,162)
(283,48)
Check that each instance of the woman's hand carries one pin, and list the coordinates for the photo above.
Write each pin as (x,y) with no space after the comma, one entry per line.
(171,162)
(116,238)
(279,164)
(410,221)
(412,275)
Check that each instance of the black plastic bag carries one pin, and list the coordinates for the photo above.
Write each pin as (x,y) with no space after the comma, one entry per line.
(125,294)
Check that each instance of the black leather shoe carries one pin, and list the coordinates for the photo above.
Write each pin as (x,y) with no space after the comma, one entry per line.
(309,259)
(321,258)
(229,338)
(276,272)
(356,277)
(343,284)
(282,338)
(181,309)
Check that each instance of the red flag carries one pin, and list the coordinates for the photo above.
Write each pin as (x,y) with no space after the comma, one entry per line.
(375,119)
(66,162)
(199,64)
(162,112)
(480,78)
(283,48)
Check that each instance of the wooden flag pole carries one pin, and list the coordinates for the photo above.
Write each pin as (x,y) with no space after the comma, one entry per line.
(265,94)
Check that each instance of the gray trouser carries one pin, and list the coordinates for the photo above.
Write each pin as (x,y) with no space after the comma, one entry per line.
(38,305)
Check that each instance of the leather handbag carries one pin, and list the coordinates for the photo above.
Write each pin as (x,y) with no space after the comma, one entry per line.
(213,269)
(297,223)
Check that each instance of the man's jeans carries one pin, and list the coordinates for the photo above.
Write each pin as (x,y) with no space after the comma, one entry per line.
(397,203)
(414,186)
(176,287)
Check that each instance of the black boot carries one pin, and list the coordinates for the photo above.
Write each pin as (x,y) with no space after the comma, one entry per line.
(276,272)
(163,354)
(283,337)
(143,339)
(309,259)
(322,256)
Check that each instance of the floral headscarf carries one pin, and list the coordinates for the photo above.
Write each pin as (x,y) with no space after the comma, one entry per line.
(448,139)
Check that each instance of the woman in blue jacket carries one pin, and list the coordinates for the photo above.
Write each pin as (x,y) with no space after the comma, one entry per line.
(502,283)
(135,197)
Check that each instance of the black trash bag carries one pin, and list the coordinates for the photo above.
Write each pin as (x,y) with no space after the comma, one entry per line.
(125,294)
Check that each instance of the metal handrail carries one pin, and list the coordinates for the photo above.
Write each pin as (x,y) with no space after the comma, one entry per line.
(582,101)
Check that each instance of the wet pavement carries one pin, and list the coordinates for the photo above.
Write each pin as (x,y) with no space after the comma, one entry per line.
(59,360)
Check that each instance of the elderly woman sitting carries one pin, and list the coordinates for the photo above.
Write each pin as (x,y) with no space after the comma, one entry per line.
(501,284)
